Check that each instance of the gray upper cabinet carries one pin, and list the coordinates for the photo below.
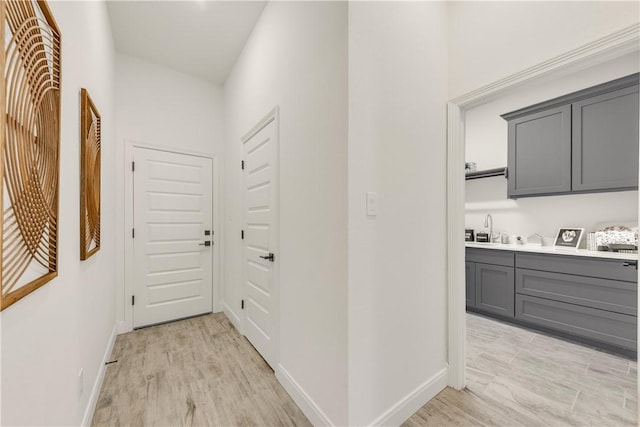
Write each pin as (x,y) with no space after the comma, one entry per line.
(582,142)
(605,141)
(540,153)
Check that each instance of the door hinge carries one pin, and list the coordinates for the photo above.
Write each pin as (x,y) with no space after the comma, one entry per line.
(242,234)
(242,304)
(242,164)
(133,166)
(133,233)
(133,300)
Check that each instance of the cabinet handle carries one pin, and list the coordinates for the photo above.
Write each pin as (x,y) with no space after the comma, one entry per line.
(630,263)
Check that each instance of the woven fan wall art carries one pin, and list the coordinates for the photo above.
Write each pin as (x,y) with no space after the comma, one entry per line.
(89,177)
(30,146)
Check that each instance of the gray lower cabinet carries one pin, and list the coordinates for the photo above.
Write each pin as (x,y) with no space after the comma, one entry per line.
(494,289)
(470,282)
(605,141)
(579,266)
(489,281)
(488,256)
(593,300)
(594,292)
(585,298)
(583,322)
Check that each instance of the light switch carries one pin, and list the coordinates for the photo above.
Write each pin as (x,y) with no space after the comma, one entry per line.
(372,204)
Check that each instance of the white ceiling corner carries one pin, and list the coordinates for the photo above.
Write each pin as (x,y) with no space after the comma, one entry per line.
(201,38)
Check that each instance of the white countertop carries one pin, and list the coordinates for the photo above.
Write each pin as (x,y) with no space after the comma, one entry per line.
(552,250)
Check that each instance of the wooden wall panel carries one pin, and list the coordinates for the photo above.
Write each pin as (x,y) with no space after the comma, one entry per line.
(90,140)
(30,147)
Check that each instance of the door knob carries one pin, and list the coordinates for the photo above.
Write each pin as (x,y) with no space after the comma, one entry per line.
(270,257)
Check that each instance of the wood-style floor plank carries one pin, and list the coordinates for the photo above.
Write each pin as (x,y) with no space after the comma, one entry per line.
(194,372)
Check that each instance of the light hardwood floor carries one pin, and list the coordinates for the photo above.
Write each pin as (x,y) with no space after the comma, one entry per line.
(197,371)
(517,377)
(200,371)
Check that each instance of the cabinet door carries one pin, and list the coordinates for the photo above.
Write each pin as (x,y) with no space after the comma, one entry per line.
(605,141)
(603,294)
(495,289)
(540,153)
(578,321)
(470,279)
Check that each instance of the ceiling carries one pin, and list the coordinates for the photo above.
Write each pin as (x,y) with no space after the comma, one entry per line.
(201,38)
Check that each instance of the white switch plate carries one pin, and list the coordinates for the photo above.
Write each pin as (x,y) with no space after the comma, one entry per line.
(372,204)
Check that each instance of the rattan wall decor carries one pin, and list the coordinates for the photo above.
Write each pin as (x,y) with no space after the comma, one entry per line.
(30,147)
(89,177)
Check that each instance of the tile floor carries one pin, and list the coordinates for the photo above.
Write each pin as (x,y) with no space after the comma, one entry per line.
(518,377)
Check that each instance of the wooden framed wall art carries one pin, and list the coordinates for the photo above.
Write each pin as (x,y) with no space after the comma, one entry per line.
(30,147)
(89,177)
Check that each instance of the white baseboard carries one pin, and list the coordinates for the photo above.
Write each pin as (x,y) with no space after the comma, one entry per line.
(97,385)
(231,315)
(122,327)
(405,408)
(302,399)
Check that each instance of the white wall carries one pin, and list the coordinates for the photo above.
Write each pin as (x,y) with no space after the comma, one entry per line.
(491,40)
(158,106)
(486,144)
(397,260)
(65,326)
(296,58)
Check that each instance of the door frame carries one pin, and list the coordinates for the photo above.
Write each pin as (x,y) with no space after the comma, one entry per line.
(271,116)
(130,146)
(622,42)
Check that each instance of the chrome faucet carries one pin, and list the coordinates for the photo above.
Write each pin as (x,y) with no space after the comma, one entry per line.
(488,222)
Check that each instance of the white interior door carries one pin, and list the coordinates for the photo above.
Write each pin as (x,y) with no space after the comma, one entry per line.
(172,222)
(260,153)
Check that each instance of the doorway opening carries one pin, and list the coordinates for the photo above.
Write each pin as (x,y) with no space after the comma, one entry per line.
(171,225)
(462,111)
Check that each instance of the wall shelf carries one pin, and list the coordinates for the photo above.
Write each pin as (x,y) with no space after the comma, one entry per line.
(486,173)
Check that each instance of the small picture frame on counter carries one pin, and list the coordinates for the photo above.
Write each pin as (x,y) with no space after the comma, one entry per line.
(568,238)
(469,236)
